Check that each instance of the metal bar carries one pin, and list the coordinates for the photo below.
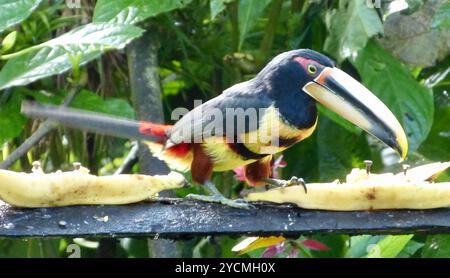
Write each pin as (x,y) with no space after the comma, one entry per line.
(181,219)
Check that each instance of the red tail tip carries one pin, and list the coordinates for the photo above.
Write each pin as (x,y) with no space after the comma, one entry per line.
(158,130)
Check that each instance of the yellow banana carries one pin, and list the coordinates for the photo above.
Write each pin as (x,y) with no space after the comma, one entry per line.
(80,188)
(363,191)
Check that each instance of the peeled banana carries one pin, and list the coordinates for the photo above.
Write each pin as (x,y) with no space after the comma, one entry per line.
(78,187)
(362,190)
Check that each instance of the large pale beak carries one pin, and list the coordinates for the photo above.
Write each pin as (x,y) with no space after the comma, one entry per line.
(342,94)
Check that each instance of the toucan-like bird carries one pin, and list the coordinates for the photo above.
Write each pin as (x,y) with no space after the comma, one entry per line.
(270,113)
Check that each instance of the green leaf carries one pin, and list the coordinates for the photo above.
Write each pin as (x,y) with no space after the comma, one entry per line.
(28,248)
(53,57)
(336,243)
(436,145)
(350,27)
(367,246)
(216,6)
(437,246)
(11,121)
(336,155)
(113,106)
(410,249)
(86,100)
(389,247)
(361,245)
(442,17)
(411,102)
(133,11)
(135,248)
(248,14)
(327,155)
(15,11)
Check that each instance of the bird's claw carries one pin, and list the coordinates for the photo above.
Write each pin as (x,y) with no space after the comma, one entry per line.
(296,181)
(293,181)
(285,183)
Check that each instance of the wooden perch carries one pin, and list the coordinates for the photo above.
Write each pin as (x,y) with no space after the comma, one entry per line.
(181,219)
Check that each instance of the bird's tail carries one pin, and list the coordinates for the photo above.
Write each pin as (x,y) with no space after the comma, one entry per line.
(178,157)
(96,122)
(154,135)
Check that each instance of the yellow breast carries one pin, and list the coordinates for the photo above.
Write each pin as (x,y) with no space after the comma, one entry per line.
(266,140)
(223,156)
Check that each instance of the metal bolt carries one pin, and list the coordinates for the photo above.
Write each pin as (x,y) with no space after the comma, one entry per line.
(405,168)
(36,167)
(62,224)
(76,166)
(369,164)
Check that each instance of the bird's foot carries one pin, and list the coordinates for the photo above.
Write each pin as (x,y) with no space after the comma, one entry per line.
(238,203)
(285,183)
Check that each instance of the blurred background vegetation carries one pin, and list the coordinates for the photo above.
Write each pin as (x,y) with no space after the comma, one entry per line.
(197,48)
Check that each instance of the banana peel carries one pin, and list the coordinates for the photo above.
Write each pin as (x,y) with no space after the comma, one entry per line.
(80,188)
(414,189)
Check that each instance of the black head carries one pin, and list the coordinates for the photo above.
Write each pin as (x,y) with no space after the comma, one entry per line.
(294,69)
(298,78)
(283,79)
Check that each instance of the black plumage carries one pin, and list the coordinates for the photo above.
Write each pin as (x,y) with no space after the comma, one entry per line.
(279,85)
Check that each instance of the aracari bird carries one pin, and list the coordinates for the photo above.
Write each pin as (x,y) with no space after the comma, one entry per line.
(284,94)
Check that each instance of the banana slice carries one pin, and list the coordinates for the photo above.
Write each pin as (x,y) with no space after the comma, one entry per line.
(364,191)
(427,172)
(80,188)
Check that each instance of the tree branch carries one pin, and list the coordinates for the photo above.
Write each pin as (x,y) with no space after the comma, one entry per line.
(267,41)
(146,95)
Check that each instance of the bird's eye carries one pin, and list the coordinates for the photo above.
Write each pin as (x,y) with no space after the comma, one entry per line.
(312,69)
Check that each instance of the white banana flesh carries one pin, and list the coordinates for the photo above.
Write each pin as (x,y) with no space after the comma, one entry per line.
(80,188)
(363,191)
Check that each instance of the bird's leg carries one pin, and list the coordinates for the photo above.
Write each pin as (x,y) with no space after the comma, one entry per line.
(286,183)
(201,170)
(217,197)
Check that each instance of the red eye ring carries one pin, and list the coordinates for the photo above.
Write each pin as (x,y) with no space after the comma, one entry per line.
(310,66)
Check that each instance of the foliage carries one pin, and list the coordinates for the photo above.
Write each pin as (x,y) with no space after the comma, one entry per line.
(56,56)
(350,27)
(206,46)
(15,11)
(131,11)
(411,102)
(442,17)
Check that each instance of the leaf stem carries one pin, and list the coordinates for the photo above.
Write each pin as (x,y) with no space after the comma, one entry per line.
(233,9)
(234,17)
(20,53)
